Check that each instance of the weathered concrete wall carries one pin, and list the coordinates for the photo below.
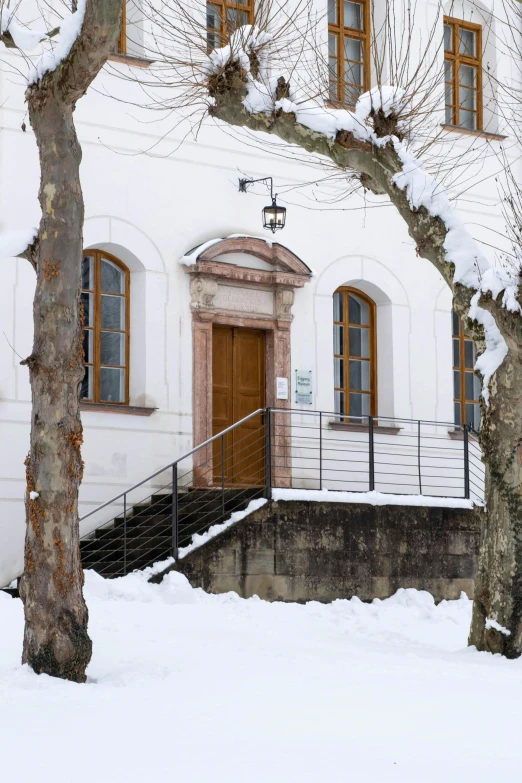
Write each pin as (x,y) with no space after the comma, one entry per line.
(302,551)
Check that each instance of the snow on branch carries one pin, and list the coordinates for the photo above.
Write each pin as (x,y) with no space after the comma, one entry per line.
(250,49)
(23,37)
(472,269)
(16,243)
(69,32)
(497,627)
(26,39)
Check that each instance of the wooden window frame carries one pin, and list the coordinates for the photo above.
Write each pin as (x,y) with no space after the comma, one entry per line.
(98,255)
(121,46)
(223,6)
(462,369)
(342,32)
(372,342)
(459,59)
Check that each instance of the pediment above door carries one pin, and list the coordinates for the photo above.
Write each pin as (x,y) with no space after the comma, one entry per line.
(280,267)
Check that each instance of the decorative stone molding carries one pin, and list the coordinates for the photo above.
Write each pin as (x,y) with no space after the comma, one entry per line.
(202,290)
(284,299)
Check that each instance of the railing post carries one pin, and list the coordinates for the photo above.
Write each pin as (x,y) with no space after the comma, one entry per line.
(320,449)
(175,525)
(371,455)
(466,462)
(419,454)
(124,535)
(223,475)
(268,452)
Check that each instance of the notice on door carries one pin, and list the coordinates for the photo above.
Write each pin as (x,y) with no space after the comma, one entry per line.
(282,388)
(303,387)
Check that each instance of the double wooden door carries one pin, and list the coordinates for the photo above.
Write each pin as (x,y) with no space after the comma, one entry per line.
(238,388)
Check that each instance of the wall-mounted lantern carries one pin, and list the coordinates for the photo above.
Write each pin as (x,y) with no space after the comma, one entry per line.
(274,216)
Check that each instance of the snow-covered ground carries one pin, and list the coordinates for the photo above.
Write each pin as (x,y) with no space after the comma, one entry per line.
(194,688)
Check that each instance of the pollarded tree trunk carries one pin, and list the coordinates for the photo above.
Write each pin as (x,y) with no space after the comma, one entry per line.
(56,641)
(498,595)
(498,589)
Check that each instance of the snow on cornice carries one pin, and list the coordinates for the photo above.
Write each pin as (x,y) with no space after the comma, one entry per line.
(191,258)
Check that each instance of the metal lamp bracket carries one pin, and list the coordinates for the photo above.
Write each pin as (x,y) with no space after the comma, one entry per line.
(244,183)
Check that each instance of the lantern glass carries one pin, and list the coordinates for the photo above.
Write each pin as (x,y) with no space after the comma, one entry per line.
(274,217)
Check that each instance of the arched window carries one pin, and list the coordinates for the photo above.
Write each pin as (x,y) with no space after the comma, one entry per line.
(466,385)
(105,299)
(355,368)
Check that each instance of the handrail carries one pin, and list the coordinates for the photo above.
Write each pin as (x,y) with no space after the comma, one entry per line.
(300,411)
(364,419)
(175,462)
(293,451)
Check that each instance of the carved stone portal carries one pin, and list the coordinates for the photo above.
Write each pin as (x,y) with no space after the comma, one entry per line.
(223,293)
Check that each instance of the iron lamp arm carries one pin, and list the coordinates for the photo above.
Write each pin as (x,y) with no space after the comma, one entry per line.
(244,183)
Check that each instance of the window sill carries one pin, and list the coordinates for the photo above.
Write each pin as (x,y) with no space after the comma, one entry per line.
(339,105)
(459,435)
(339,425)
(125,410)
(130,59)
(477,133)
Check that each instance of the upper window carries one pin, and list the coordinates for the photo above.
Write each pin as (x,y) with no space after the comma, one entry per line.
(223,17)
(105,300)
(463,73)
(355,373)
(348,50)
(466,385)
(121,46)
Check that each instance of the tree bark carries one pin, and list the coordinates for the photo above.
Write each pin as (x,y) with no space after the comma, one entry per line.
(56,641)
(498,591)
(498,586)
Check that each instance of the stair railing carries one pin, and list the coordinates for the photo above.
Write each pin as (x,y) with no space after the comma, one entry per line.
(279,448)
(226,472)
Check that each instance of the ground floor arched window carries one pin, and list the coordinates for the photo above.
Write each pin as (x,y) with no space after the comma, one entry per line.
(355,354)
(105,300)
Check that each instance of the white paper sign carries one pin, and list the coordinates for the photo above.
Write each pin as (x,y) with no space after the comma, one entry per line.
(282,388)
(303,387)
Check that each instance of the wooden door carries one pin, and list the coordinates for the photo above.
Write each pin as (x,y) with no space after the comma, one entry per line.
(238,388)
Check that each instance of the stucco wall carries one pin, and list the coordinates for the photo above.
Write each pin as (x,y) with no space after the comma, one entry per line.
(152,192)
(304,551)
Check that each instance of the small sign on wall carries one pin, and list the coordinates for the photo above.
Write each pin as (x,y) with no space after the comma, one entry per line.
(303,387)
(282,388)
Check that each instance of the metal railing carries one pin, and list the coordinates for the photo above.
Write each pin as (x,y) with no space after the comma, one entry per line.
(278,448)
(321,450)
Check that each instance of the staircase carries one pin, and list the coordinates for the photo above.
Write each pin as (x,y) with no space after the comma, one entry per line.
(146,536)
(275,447)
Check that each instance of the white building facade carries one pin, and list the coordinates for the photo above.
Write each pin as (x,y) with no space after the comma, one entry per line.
(153,196)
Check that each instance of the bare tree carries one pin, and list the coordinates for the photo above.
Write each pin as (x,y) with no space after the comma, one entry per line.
(56,641)
(272,77)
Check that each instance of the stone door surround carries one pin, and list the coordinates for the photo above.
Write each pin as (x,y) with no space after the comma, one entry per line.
(232,295)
